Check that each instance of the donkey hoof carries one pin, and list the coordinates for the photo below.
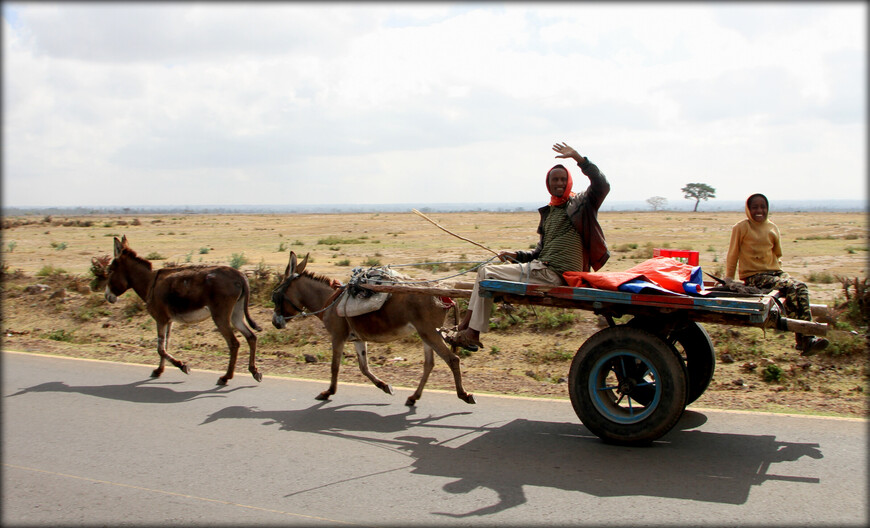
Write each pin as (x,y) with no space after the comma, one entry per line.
(221,381)
(386,387)
(469,398)
(323,396)
(156,373)
(410,402)
(185,369)
(257,376)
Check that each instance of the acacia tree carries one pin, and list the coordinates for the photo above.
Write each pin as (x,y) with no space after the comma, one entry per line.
(657,202)
(698,192)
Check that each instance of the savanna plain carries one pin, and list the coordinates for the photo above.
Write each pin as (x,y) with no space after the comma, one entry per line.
(48,306)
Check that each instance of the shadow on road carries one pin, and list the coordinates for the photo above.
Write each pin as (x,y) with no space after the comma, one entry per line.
(142,391)
(505,457)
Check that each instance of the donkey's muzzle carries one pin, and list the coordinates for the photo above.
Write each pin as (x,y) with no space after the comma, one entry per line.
(278,321)
(111,297)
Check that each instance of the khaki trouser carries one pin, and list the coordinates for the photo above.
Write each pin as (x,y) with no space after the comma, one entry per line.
(534,272)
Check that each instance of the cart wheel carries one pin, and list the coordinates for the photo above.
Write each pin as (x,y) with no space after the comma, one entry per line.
(694,346)
(611,369)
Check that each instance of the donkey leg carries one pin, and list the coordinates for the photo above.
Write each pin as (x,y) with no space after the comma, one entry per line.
(227,331)
(337,351)
(163,331)
(250,337)
(434,340)
(362,356)
(428,363)
(252,358)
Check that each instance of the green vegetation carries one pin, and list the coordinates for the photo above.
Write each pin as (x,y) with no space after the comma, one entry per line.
(49,271)
(623,248)
(772,373)
(821,277)
(133,308)
(59,335)
(333,240)
(237,260)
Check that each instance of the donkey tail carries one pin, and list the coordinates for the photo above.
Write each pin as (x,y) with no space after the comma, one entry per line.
(246,291)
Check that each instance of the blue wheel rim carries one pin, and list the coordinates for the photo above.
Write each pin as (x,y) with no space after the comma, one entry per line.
(611,381)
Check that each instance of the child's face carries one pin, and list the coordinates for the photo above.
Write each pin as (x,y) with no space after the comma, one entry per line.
(758,209)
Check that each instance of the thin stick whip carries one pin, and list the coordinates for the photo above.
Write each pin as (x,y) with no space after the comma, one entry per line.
(454,234)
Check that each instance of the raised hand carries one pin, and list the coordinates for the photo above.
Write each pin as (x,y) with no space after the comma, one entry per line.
(565,151)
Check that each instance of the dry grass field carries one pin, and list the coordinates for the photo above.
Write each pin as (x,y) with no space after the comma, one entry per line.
(527,354)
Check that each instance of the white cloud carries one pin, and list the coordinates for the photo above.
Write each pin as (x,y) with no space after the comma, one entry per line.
(293,103)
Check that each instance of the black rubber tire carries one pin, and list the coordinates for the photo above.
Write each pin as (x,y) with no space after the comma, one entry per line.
(604,375)
(694,346)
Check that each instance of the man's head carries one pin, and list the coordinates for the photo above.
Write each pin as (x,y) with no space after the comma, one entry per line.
(559,181)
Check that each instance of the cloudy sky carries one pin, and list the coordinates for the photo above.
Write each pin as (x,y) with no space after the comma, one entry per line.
(129,104)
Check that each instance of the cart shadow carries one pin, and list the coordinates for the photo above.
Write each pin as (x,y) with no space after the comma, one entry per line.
(686,464)
(141,391)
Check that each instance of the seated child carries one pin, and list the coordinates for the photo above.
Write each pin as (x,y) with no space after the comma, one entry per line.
(755,247)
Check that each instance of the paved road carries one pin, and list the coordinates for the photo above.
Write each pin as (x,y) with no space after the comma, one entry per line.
(88,442)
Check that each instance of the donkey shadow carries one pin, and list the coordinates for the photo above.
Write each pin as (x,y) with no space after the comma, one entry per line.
(142,391)
(506,457)
(325,418)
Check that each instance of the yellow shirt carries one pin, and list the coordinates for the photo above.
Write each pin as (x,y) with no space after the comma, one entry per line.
(755,247)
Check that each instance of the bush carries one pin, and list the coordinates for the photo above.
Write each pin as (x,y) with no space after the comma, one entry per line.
(553,318)
(237,260)
(135,307)
(622,248)
(847,345)
(60,335)
(772,373)
(154,256)
(821,277)
(48,271)
(333,240)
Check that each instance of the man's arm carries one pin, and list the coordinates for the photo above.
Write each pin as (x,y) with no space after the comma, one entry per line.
(598,185)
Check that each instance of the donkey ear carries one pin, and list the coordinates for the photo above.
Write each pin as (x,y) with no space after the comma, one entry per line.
(291,266)
(301,267)
(119,245)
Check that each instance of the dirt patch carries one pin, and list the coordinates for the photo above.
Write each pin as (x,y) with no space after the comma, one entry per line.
(527,353)
(531,358)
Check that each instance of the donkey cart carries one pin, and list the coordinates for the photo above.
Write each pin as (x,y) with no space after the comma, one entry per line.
(630,382)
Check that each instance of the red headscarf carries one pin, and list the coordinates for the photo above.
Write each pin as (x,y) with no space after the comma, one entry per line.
(559,200)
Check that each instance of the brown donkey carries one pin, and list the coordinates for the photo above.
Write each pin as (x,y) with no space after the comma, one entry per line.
(401,314)
(186,294)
